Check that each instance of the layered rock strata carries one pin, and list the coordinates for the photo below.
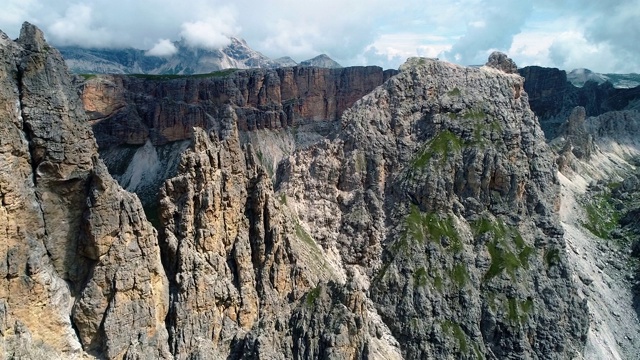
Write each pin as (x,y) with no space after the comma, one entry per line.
(131,109)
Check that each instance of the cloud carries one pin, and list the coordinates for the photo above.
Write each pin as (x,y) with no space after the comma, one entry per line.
(351,32)
(164,47)
(212,32)
(493,25)
(76,28)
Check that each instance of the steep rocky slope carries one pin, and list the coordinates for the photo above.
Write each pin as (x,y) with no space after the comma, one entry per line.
(423,225)
(445,195)
(81,270)
(130,109)
(599,212)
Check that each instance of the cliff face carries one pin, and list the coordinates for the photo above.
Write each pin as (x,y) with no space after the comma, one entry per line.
(66,225)
(423,227)
(445,191)
(553,97)
(130,109)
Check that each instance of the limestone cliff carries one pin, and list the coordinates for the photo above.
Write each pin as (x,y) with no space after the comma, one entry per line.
(424,225)
(439,197)
(132,109)
(81,270)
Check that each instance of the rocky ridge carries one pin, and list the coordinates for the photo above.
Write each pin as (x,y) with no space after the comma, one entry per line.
(186,60)
(424,226)
(446,203)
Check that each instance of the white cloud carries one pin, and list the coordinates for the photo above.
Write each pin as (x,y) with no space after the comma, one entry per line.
(76,28)
(355,31)
(164,47)
(212,32)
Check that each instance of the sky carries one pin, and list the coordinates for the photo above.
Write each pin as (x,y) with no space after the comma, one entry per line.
(601,35)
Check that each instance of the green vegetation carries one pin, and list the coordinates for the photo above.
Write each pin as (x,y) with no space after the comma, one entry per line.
(481,128)
(602,217)
(444,144)
(437,283)
(455,330)
(302,234)
(552,257)
(474,114)
(419,226)
(454,92)
(313,295)
(88,76)
(361,162)
(518,311)
(420,277)
(283,199)
(214,74)
(507,248)
(459,275)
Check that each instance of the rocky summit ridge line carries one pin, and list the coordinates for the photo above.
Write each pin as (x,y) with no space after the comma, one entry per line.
(424,226)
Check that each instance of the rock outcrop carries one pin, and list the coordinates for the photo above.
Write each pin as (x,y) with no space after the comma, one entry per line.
(131,109)
(445,191)
(81,270)
(501,61)
(323,61)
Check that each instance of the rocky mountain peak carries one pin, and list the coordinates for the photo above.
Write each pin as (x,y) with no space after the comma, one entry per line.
(323,61)
(501,61)
(31,38)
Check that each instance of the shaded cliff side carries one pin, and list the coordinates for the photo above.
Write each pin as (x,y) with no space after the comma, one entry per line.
(132,109)
(552,97)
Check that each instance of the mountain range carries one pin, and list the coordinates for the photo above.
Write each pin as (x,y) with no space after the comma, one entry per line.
(431,212)
(186,60)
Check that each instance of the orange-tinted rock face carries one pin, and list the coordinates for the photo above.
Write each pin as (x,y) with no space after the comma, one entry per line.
(129,109)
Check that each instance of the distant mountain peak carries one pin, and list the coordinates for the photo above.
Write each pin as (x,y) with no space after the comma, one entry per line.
(322,60)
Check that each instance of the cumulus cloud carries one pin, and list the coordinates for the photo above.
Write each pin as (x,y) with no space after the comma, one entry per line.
(164,47)
(493,25)
(76,28)
(351,32)
(212,32)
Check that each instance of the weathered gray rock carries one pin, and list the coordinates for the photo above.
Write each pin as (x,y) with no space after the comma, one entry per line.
(445,195)
(501,61)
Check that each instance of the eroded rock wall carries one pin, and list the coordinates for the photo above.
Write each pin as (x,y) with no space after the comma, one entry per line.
(132,109)
(82,271)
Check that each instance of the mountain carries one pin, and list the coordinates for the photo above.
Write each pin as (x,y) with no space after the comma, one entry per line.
(309,213)
(187,60)
(323,61)
(579,77)
(553,97)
